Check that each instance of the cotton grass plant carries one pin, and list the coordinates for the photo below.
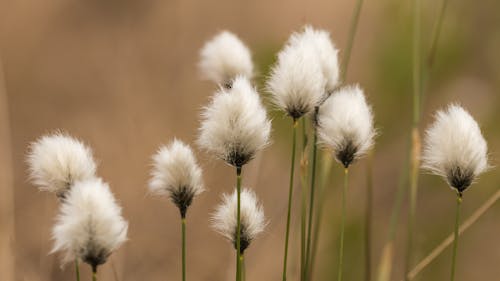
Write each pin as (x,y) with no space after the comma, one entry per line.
(176,175)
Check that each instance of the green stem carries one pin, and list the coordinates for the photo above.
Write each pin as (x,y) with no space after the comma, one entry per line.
(94,274)
(350,40)
(311,202)
(436,33)
(238,228)
(342,224)
(303,177)
(368,216)
(183,222)
(77,270)
(290,192)
(243,268)
(455,241)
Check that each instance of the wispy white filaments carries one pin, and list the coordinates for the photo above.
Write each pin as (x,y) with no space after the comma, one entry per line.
(176,174)
(345,124)
(225,57)
(305,72)
(58,160)
(252,218)
(454,148)
(90,225)
(235,124)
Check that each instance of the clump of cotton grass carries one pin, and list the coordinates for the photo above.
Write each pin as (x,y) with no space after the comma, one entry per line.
(345,125)
(253,222)
(56,161)
(235,124)
(90,225)
(176,174)
(454,148)
(225,57)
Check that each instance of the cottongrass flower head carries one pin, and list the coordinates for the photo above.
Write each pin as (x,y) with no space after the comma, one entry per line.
(297,83)
(454,148)
(176,174)
(56,161)
(235,124)
(253,221)
(345,123)
(225,57)
(325,50)
(90,225)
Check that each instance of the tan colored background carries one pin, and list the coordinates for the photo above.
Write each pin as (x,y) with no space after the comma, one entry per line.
(122,76)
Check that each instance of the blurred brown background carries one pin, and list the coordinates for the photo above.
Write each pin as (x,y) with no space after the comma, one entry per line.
(122,76)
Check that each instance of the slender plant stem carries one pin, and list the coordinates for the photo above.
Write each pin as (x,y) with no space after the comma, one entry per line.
(368,216)
(238,228)
(311,202)
(342,224)
(350,40)
(449,240)
(290,192)
(304,164)
(183,223)
(455,241)
(77,270)
(94,274)
(243,268)
(436,33)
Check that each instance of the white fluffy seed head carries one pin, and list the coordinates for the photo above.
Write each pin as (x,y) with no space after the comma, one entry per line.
(224,57)
(176,174)
(324,49)
(58,160)
(235,124)
(345,124)
(297,83)
(90,225)
(454,148)
(253,222)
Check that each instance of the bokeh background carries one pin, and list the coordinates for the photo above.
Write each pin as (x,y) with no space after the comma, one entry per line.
(122,76)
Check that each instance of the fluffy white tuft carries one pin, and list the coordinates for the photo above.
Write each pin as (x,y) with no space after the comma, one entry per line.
(325,50)
(235,125)
(90,225)
(345,124)
(224,57)
(57,160)
(253,222)
(297,83)
(454,147)
(176,174)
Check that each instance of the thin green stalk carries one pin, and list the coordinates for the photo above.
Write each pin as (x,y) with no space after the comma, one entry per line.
(436,33)
(368,216)
(455,241)
(311,202)
(238,228)
(94,274)
(303,178)
(77,270)
(243,268)
(350,40)
(342,224)
(183,223)
(290,192)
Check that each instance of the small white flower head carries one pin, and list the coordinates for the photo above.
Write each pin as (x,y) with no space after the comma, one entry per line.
(252,218)
(297,83)
(57,160)
(454,148)
(90,225)
(345,123)
(224,57)
(176,174)
(325,50)
(235,125)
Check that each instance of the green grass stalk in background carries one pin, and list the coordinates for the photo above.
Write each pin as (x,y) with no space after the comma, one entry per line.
(342,225)
(290,192)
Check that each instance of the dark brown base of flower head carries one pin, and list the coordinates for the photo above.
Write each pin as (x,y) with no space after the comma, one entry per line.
(460,178)
(347,154)
(238,159)
(182,198)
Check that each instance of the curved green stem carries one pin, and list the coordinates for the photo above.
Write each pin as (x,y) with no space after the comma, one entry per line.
(455,241)
(350,40)
(342,224)
(290,192)
(183,222)
(238,228)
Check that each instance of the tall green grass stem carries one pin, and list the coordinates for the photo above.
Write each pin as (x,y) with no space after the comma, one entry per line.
(77,270)
(311,200)
(455,240)
(183,226)
(238,227)
(342,225)
(303,178)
